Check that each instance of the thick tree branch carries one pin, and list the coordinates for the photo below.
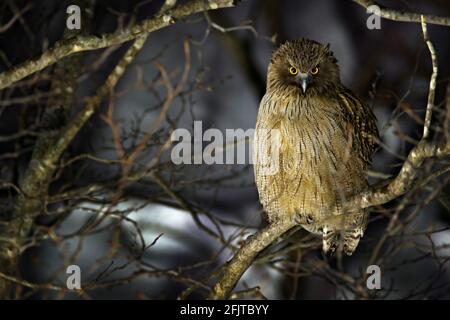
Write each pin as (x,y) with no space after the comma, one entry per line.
(235,268)
(67,47)
(404,180)
(404,16)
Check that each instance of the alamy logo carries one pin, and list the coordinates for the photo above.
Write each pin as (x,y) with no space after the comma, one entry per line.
(374,19)
(74,279)
(74,19)
(374,280)
(230,148)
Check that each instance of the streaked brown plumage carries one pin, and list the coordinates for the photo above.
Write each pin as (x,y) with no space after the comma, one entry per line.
(325,140)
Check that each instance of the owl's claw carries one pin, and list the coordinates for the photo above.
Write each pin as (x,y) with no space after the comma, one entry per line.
(329,241)
(351,240)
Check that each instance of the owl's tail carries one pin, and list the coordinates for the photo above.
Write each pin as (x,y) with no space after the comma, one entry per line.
(351,240)
(346,241)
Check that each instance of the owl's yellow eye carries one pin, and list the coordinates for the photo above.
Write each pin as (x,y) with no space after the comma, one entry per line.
(314,71)
(293,70)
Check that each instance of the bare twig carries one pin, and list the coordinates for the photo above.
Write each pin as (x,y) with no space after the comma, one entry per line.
(404,16)
(16,17)
(432,89)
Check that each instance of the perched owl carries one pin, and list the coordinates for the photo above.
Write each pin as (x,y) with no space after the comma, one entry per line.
(313,144)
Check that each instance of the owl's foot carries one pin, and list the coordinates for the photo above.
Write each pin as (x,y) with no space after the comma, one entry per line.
(351,240)
(330,240)
(333,240)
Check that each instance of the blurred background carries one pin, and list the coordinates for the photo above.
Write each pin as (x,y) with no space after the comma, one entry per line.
(158,235)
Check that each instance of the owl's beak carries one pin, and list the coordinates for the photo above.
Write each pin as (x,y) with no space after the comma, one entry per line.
(304,81)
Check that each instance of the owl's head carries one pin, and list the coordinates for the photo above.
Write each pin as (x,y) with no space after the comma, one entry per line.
(303,66)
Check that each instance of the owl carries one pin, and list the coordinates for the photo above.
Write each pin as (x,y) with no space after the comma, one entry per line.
(313,144)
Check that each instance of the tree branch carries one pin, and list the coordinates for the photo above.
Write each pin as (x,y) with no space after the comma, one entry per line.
(235,268)
(16,17)
(404,180)
(404,16)
(432,89)
(66,47)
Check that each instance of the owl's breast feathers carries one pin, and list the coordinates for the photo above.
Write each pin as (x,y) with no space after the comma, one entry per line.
(321,152)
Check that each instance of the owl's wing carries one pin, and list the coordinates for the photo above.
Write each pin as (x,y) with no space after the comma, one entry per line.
(361,119)
(266,141)
(266,155)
